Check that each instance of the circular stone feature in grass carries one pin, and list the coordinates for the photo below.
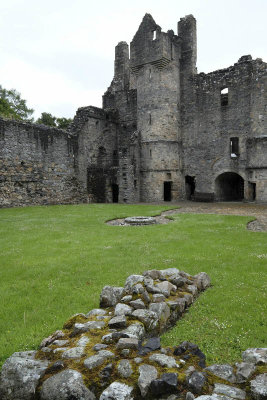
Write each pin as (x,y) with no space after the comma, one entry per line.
(140,220)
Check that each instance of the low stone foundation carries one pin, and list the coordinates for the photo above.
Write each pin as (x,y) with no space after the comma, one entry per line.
(114,352)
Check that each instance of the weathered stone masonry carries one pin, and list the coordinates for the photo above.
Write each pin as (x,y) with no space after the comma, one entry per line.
(113,353)
(37,165)
(165,132)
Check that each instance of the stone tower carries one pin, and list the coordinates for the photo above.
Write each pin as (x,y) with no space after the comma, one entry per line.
(154,60)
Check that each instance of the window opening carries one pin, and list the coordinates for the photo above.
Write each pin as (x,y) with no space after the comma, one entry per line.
(224,97)
(234,147)
(154,35)
(150,153)
(115,158)
(150,119)
(150,74)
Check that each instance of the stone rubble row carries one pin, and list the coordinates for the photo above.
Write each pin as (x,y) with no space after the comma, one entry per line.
(114,352)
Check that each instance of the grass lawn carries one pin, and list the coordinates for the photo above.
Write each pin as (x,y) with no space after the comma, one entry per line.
(55,261)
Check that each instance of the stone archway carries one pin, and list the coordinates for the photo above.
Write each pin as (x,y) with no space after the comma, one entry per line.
(229,186)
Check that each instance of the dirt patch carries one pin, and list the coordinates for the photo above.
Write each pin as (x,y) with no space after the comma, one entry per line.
(258,211)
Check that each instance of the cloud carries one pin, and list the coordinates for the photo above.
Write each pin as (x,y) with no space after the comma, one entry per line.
(60,54)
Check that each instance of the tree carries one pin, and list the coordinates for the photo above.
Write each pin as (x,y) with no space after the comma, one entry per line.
(13,106)
(63,123)
(49,120)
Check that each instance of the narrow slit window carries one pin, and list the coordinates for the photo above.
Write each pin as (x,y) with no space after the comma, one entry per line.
(150,119)
(234,147)
(150,74)
(154,35)
(150,153)
(224,97)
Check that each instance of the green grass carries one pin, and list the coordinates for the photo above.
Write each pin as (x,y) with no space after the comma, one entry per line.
(55,261)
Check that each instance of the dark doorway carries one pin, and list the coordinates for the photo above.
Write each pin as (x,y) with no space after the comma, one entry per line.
(229,187)
(115,193)
(96,184)
(252,191)
(167,191)
(190,185)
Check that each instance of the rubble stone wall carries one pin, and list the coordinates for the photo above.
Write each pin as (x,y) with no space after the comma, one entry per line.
(114,352)
(37,165)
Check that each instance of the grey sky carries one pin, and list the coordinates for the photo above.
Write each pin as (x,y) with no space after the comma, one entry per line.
(59,53)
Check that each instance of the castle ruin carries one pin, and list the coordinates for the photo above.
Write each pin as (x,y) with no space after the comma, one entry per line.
(165,133)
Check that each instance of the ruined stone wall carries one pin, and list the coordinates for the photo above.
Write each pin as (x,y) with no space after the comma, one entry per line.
(97,158)
(164,133)
(257,165)
(37,165)
(121,97)
(209,125)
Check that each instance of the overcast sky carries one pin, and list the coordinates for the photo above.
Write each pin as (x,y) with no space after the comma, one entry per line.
(59,54)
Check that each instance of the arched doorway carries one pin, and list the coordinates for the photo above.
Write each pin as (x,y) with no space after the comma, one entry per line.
(229,186)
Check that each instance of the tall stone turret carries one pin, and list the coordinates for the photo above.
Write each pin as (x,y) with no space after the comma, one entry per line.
(154,59)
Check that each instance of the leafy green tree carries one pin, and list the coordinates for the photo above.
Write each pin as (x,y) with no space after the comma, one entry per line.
(47,119)
(13,106)
(63,123)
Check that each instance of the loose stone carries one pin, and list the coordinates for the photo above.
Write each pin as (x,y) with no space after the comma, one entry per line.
(131,281)
(255,356)
(229,391)
(83,341)
(151,345)
(91,325)
(96,312)
(223,371)
(147,373)
(196,381)
(136,330)
(162,310)
(164,361)
(244,371)
(98,359)
(149,318)
(166,288)
(110,296)
(166,384)
(100,346)
(137,304)
(74,352)
(117,391)
(20,375)
(69,384)
(158,298)
(259,387)
(122,309)
(118,322)
(202,280)
(60,343)
(125,368)
(126,299)
(127,343)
